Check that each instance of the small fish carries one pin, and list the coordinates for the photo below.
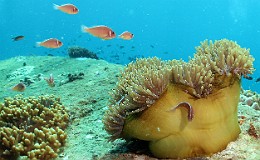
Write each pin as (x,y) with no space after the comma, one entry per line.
(20,87)
(50,43)
(18,38)
(67,8)
(257,80)
(102,32)
(248,77)
(50,81)
(126,35)
(188,107)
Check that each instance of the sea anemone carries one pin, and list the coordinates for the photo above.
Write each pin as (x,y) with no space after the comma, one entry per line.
(140,85)
(183,109)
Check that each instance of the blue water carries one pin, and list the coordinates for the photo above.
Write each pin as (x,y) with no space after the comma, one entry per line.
(167,28)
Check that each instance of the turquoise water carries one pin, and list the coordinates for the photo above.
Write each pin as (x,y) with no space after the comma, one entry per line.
(167,29)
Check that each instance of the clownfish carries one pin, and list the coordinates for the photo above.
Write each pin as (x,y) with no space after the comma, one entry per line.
(50,43)
(67,8)
(102,32)
(126,35)
(20,87)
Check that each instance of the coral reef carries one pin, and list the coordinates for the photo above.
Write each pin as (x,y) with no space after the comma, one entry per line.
(32,127)
(176,105)
(79,52)
(71,77)
(27,81)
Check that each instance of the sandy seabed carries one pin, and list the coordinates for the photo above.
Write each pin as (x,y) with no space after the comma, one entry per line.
(86,98)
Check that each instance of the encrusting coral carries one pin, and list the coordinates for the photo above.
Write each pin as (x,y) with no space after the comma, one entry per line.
(32,127)
(184,109)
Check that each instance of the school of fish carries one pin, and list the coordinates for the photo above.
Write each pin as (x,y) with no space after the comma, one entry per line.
(100,31)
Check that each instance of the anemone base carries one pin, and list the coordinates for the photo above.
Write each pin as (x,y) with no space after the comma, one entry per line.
(172,135)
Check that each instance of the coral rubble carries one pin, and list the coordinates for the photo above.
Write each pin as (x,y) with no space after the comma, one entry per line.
(32,127)
(250,98)
(150,101)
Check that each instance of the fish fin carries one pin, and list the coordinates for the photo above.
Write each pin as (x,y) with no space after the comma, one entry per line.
(55,6)
(83,28)
(188,107)
(38,44)
(13,39)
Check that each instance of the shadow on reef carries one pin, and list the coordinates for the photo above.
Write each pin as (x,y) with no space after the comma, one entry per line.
(134,150)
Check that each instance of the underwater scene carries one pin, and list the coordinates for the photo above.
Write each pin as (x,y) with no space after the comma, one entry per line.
(129,80)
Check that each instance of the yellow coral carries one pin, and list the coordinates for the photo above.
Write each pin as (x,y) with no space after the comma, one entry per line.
(32,127)
(153,97)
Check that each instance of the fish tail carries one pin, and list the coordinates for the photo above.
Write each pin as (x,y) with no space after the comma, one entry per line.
(38,44)
(55,6)
(13,39)
(83,28)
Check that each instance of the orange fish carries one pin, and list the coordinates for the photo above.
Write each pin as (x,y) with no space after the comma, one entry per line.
(50,81)
(67,8)
(50,43)
(102,32)
(126,35)
(20,87)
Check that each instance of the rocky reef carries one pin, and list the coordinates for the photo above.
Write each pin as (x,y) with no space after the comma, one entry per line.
(79,52)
